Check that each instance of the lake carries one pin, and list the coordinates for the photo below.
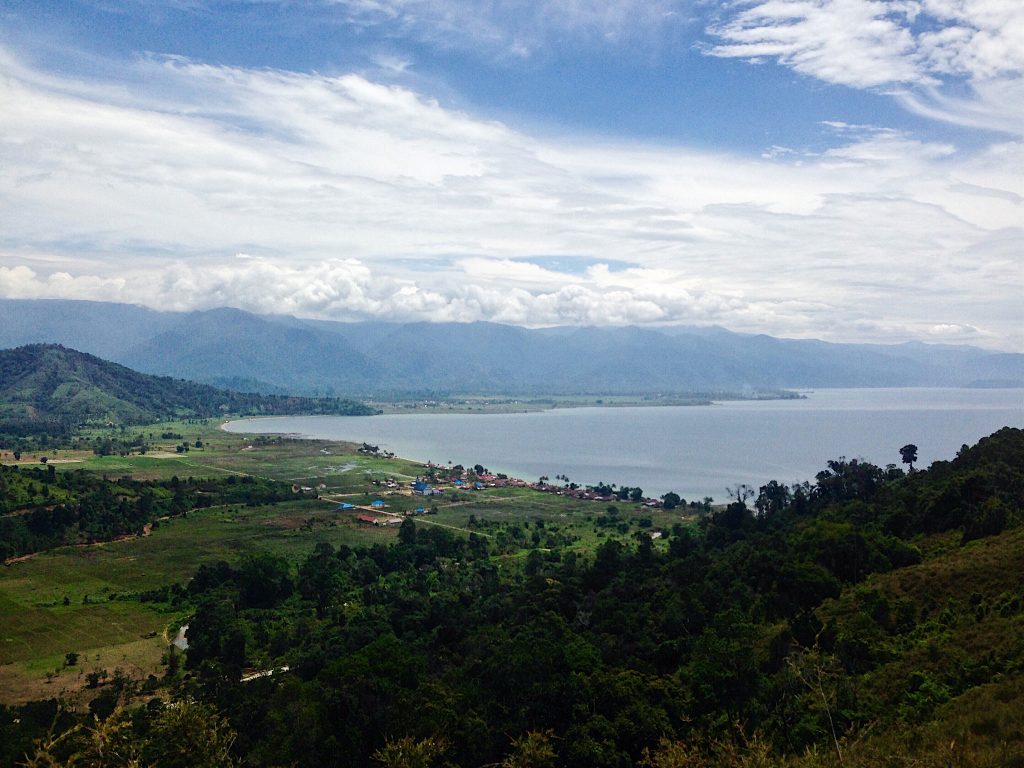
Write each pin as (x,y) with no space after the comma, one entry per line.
(695,451)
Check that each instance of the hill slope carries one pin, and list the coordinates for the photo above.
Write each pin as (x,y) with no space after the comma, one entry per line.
(49,387)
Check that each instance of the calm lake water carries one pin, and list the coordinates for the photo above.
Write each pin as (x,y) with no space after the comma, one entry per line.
(695,451)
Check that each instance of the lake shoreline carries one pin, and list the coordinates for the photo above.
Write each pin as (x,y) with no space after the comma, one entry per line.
(695,452)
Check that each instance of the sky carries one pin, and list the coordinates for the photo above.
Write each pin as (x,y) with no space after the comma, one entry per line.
(849,170)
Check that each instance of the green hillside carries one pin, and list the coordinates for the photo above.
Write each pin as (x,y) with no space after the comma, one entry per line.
(49,388)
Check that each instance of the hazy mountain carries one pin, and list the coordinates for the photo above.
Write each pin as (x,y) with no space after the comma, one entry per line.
(272,353)
(98,328)
(222,344)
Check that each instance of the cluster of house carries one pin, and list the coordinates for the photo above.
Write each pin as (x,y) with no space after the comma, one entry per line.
(373,450)
(588,494)
(422,488)
(383,520)
(487,480)
(379,521)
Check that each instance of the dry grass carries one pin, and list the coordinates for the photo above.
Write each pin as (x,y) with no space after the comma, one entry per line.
(47,677)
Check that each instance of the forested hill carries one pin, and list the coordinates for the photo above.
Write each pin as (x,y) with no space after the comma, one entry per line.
(51,388)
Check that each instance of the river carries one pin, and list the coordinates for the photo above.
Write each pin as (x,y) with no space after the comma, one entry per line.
(695,451)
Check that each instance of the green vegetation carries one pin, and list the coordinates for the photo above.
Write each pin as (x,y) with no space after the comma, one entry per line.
(47,392)
(46,509)
(872,617)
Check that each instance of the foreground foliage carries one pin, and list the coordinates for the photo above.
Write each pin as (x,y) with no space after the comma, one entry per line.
(182,735)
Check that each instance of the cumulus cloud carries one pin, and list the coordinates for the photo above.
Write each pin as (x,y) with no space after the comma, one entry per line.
(348,289)
(352,199)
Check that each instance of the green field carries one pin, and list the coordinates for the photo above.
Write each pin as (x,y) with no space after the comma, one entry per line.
(104,620)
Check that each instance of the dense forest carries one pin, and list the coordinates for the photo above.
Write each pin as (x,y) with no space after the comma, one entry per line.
(872,617)
(48,391)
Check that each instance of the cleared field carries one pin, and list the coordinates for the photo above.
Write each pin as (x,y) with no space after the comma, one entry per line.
(176,548)
(336,465)
(105,622)
(48,677)
(140,467)
(33,633)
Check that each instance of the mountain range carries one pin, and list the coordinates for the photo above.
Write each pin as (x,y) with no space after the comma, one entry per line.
(278,353)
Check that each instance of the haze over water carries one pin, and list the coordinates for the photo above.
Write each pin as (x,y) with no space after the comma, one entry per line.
(695,451)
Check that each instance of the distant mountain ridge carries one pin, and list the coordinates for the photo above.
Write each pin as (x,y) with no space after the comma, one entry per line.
(276,353)
(54,388)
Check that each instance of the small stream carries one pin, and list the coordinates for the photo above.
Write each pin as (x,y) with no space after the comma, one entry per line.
(179,641)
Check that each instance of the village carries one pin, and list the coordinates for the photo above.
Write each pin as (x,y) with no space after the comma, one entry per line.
(437,480)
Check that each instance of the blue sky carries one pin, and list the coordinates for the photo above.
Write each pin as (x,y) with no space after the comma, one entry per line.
(843,169)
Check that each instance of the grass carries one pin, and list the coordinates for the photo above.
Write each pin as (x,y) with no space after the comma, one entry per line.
(498,507)
(33,633)
(35,636)
(103,619)
(140,467)
(175,549)
(47,677)
(336,465)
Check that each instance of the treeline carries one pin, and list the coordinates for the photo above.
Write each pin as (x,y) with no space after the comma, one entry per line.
(755,619)
(43,508)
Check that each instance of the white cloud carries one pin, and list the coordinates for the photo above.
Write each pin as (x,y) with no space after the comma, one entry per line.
(865,43)
(996,105)
(861,43)
(912,47)
(354,199)
(888,147)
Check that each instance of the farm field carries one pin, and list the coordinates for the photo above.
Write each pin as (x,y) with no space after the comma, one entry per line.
(103,619)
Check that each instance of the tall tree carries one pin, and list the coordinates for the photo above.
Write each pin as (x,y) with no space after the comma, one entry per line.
(909,455)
